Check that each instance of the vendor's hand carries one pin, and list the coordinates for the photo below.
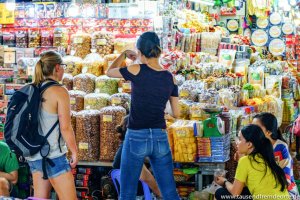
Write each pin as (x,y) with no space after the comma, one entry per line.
(131,54)
(220,180)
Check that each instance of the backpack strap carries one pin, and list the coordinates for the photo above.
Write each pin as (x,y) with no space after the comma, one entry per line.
(45,159)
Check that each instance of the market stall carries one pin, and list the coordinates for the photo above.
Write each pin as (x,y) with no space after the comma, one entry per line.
(230,62)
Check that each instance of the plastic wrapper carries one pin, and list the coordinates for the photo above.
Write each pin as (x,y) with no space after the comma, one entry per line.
(74,65)
(210,96)
(121,45)
(34,38)
(93,64)
(103,43)
(196,113)
(227,98)
(21,38)
(110,117)
(46,38)
(256,75)
(96,101)
(185,149)
(88,135)
(26,66)
(273,85)
(60,38)
(184,109)
(77,100)
(190,89)
(81,44)
(107,85)
(68,81)
(121,99)
(9,39)
(179,79)
(84,82)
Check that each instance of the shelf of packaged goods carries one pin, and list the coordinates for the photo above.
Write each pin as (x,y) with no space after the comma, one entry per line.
(96,164)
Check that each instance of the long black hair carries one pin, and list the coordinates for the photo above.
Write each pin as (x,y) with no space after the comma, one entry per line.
(269,121)
(263,148)
(122,128)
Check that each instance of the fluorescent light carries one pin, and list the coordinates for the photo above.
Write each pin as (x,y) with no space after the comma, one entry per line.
(209,3)
(10,5)
(293,2)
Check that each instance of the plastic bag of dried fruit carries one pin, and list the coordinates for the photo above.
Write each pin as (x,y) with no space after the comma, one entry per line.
(74,65)
(67,81)
(107,85)
(77,100)
(185,149)
(93,64)
(84,82)
(96,101)
(88,135)
(110,117)
(121,99)
(81,44)
(103,43)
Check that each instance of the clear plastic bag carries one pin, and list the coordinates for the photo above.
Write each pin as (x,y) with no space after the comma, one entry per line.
(107,85)
(81,44)
(84,82)
(96,101)
(110,117)
(22,38)
(121,99)
(67,81)
(60,38)
(185,149)
(103,43)
(74,65)
(93,64)
(77,100)
(88,135)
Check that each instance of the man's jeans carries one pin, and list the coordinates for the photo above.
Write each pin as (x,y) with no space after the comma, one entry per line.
(139,144)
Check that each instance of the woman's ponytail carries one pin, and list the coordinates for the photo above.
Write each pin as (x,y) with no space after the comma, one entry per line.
(45,66)
(38,73)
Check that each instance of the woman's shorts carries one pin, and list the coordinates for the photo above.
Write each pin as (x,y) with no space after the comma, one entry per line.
(61,166)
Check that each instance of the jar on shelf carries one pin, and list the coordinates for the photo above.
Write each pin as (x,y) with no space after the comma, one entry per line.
(9,39)
(46,38)
(34,38)
(60,37)
(22,38)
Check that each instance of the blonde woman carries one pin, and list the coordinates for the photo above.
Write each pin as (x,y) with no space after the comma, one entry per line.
(55,107)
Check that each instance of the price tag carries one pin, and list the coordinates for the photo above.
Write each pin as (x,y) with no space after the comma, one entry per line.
(181,133)
(84,146)
(72,101)
(116,100)
(107,118)
(58,35)
(78,40)
(101,42)
(127,86)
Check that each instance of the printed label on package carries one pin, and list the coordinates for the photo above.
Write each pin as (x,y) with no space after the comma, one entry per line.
(107,118)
